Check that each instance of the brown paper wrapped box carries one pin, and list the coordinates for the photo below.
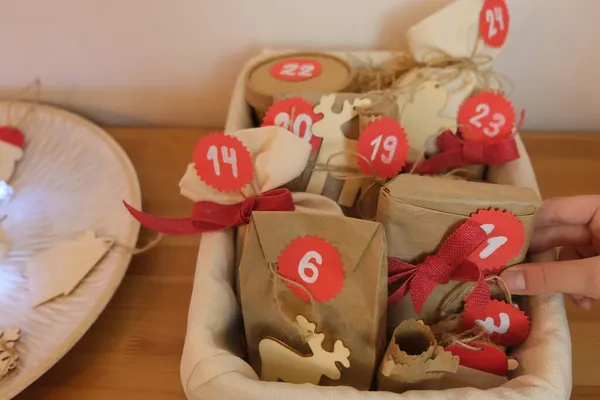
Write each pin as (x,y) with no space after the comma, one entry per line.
(355,318)
(417,212)
(413,360)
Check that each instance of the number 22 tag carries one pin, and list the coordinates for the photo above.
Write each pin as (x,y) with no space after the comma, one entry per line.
(223,162)
(384,144)
(296,70)
(506,238)
(314,264)
(486,117)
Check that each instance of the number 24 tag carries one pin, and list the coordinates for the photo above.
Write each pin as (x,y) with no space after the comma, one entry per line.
(494,21)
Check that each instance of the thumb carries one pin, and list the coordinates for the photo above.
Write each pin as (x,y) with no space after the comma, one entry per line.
(578,277)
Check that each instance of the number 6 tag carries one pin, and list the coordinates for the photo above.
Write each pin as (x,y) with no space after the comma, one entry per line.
(314,264)
(506,238)
(486,117)
(223,162)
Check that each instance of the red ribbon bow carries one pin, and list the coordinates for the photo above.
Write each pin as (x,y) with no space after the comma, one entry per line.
(455,152)
(448,264)
(209,217)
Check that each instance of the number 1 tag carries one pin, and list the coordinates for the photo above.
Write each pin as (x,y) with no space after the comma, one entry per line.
(314,264)
(486,117)
(506,238)
(384,144)
(223,162)
(297,116)
(494,20)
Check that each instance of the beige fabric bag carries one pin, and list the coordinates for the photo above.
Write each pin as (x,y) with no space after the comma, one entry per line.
(212,366)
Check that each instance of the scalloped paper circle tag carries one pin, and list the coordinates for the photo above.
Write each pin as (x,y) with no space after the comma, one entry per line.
(494,21)
(314,264)
(485,357)
(486,117)
(506,238)
(297,116)
(505,323)
(385,145)
(223,162)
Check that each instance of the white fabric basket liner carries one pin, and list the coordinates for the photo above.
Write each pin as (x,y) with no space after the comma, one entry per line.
(213,368)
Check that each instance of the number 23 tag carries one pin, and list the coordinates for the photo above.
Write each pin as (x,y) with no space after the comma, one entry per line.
(486,117)
(314,264)
(223,162)
(506,238)
(384,144)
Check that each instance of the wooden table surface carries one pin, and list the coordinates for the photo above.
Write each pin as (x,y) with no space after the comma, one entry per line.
(134,349)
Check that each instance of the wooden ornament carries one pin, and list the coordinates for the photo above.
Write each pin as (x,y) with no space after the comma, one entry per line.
(329,128)
(8,354)
(58,270)
(421,117)
(281,362)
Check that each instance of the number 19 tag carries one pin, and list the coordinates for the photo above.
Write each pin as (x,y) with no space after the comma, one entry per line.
(223,162)
(506,238)
(486,117)
(314,264)
(384,144)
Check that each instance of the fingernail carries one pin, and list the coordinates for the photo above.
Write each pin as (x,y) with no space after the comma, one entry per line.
(515,280)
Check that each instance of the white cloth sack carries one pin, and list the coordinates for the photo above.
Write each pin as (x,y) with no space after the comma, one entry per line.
(212,366)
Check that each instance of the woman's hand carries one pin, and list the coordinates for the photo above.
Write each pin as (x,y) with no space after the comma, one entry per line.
(572,223)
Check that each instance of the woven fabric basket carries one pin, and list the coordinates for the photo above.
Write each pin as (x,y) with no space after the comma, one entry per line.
(213,366)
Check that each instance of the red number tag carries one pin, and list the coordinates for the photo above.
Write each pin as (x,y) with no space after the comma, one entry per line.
(486,117)
(296,69)
(297,116)
(506,238)
(493,22)
(223,162)
(486,357)
(505,323)
(315,264)
(384,144)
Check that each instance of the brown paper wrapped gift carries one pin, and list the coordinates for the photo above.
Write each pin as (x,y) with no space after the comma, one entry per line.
(417,213)
(354,319)
(413,360)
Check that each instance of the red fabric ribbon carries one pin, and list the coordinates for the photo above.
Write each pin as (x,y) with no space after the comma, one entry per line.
(209,217)
(455,152)
(448,264)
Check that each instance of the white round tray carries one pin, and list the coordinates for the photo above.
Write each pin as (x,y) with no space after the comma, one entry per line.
(73,177)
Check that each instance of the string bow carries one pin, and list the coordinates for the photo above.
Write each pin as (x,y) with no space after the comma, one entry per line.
(455,152)
(209,217)
(448,264)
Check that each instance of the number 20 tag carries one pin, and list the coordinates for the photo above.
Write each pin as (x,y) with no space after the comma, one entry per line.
(384,144)
(506,238)
(223,162)
(486,117)
(314,264)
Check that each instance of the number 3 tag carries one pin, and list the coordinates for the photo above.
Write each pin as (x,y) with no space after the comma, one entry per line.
(384,144)
(223,162)
(486,117)
(296,69)
(506,238)
(314,264)
(505,323)
(493,22)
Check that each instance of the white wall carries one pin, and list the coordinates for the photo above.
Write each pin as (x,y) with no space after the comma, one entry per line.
(173,62)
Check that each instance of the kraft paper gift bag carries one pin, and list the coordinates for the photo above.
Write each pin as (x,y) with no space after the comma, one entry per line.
(330,340)
(414,360)
(454,63)
(417,213)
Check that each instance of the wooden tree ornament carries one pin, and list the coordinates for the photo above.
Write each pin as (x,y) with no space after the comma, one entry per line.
(281,362)
(334,141)
(8,354)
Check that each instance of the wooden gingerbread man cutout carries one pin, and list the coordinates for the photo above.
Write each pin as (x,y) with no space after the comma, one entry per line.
(330,129)
(8,354)
(421,118)
(280,362)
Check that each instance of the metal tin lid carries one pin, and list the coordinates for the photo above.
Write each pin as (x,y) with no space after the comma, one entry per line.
(296,72)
